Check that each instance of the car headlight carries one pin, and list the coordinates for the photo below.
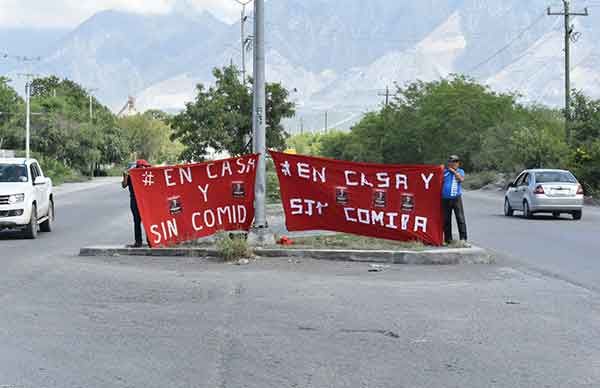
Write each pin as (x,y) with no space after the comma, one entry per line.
(17,198)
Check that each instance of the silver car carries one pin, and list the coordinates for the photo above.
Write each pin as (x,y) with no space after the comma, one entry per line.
(544,191)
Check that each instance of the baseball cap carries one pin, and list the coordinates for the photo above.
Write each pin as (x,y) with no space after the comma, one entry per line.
(454,158)
(141,163)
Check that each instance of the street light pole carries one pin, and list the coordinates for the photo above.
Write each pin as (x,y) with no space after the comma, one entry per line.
(261,234)
(27,118)
(90,91)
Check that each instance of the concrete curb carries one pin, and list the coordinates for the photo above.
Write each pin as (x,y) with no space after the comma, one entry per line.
(444,256)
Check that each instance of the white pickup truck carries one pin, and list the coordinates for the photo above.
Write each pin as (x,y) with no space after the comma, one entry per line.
(26,197)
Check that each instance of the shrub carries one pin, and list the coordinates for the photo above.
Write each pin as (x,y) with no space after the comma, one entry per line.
(233,247)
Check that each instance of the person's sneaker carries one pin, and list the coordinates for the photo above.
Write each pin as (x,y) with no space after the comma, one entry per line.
(465,244)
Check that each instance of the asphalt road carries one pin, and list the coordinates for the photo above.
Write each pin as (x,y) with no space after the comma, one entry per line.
(567,249)
(68,321)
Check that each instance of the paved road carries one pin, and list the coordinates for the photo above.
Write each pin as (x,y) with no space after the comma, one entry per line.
(68,321)
(563,248)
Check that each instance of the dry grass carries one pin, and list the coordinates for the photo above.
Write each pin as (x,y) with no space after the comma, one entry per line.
(232,247)
(347,241)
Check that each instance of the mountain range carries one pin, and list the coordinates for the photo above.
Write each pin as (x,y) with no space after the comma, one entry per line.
(335,56)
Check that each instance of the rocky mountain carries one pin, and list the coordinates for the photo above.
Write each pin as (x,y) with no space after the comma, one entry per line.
(337,56)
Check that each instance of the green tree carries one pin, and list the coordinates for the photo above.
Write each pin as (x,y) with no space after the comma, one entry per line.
(540,146)
(426,122)
(149,137)
(585,140)
(220,118)
(11,108)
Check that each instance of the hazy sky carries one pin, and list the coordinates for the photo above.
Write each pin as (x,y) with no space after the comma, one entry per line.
(69,13)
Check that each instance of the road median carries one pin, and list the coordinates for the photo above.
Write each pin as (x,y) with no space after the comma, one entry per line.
(435,256)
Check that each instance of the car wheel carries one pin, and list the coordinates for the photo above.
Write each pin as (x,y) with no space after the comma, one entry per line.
(577,215)
(508,210)
(556,215)
(31,230)
(526,210)
(46,226)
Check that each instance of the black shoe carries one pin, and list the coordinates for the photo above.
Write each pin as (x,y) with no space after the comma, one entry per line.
(135,245)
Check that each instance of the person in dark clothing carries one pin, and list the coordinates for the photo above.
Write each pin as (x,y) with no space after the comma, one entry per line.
(137,219)
(452,201)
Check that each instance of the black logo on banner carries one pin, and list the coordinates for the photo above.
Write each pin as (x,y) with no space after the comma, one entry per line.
(408,202)
(341,195)
(175,206)
(238,190)
(379,198)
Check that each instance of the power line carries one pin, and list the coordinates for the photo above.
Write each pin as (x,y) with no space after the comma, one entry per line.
(508,45)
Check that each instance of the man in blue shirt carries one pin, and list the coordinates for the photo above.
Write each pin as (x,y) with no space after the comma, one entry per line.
(454,176)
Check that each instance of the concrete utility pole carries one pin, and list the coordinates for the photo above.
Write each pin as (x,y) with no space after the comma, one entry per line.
(90,91)
(260,234)
(569,35)
(27,118)
(28,81)
(244,40)
(386,95)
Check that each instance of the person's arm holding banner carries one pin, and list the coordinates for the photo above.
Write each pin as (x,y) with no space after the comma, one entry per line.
(125,181)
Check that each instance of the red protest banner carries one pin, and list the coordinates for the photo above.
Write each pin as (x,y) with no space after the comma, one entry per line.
(186,202)
(395,202)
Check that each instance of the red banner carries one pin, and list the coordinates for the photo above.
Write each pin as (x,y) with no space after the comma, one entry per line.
(187,202)
(395,202)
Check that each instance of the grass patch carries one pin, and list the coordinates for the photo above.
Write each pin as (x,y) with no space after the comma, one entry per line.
(232,247)
(347,241)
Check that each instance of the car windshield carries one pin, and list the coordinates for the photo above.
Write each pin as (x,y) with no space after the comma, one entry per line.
(13,173)
(555,177)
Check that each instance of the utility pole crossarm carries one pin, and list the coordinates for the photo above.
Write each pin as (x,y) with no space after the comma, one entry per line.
(584,13)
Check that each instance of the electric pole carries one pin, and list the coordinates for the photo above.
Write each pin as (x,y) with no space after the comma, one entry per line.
(260,234)
(386,95)
(28,81)
(90,91)
(569,35)
(27,118)
(244,40)
(326,127)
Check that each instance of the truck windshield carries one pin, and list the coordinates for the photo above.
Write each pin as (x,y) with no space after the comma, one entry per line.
(13,173)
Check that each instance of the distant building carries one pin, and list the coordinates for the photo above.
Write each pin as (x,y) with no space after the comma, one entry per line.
(129,109)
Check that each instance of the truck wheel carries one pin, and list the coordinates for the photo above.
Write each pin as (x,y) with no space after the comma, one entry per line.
(46,226)
(31,230)
(577,215)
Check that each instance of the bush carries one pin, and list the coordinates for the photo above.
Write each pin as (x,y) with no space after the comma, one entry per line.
(58,172)
(233,247)
(478,180)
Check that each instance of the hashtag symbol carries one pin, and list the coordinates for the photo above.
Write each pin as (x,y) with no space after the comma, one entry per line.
(148,179)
